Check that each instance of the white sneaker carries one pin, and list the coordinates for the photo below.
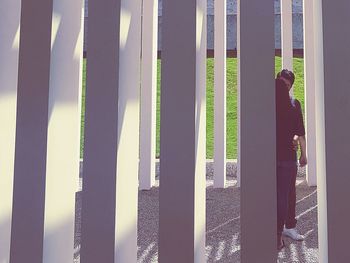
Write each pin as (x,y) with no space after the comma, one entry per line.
(293,234)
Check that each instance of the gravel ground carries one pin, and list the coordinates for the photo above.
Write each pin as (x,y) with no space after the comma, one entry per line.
(223,224)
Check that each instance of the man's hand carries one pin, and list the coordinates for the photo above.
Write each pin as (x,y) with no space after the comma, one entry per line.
(302,160)
(295,143)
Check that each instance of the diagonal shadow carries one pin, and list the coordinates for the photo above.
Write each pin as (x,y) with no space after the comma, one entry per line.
(223,226)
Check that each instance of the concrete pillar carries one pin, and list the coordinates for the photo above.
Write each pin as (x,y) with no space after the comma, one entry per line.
(333,113)
(110,181)
(287,34)
(148,94)
(220,93)
(101,132)
(31,132)
(322,217)
(257,131)
(63,144)
(128,132)
(309,80)
(200,134)
(238,100)
(182,216)
(9,34)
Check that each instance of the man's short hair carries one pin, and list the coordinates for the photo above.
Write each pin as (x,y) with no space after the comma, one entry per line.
(287,74)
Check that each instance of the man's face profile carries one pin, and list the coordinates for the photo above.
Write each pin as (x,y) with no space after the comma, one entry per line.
(287,82)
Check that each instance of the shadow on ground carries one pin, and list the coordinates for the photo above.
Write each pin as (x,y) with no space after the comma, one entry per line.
(223,225)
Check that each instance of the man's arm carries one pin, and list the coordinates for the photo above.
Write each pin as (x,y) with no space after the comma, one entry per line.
(303,158)
(300,131)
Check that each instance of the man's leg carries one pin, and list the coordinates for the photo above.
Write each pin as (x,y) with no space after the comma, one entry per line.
(291,221)
(283,184)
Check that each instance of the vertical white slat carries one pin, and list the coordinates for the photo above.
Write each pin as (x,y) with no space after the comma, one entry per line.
(9,46)
(220,93)
(257,130)
(148,94)
(336,108)
(200,134)
(128,132)
(182,216)
(63,146)
(309,80)
(239,157)
(287,34)
(322,218)
(27,229)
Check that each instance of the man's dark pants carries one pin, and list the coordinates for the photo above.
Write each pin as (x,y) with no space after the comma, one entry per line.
(291,221)
(286,177)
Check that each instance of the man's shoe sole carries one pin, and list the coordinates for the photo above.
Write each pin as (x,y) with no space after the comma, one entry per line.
(286,235)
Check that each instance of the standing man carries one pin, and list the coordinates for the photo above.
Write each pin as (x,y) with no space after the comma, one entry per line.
(289,132)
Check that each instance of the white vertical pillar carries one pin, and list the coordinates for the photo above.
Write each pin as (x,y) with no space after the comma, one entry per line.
(334,33)
(257,120)
(182,214)
(148,94)
(309,80)
(220,93)
(9,37)
(63,142)
(287,34)
(238,97)
(320,135)
(128,132)
(200,134)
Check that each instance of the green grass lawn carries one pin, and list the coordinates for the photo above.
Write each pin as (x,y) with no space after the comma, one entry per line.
(231,102)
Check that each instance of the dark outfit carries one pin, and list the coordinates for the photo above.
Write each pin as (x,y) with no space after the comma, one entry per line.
(289,122)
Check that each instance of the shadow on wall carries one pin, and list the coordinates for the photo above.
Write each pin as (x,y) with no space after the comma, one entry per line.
(62,23)
(9,47)
(52,243)
(5,235)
